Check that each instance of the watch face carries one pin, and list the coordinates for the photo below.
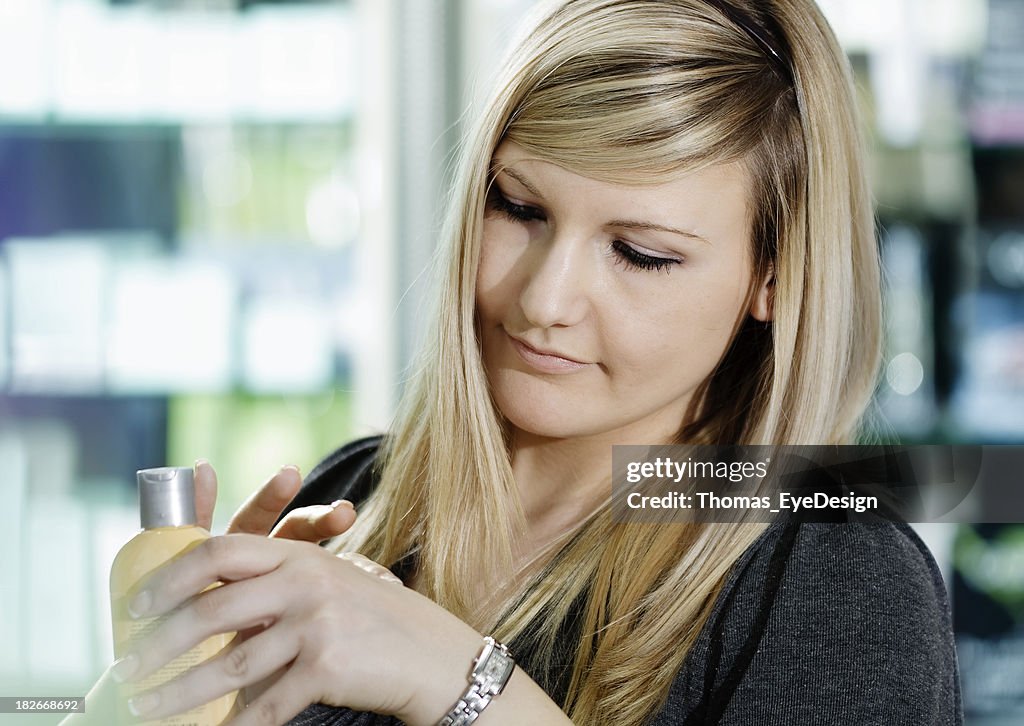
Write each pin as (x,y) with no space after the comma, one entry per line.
(498,667)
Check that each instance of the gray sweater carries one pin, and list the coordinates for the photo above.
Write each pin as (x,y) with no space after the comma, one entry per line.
(817,624)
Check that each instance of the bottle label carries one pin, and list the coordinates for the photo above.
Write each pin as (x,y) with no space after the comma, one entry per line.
(128,630)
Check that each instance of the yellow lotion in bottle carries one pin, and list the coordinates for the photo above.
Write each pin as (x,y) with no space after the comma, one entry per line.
(168,514)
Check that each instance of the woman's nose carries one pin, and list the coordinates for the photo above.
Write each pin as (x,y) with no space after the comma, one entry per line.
(557,285)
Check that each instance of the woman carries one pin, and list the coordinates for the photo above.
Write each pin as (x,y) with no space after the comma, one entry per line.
(660,233)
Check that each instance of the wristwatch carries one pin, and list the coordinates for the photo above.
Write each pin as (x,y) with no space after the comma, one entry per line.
(491,671)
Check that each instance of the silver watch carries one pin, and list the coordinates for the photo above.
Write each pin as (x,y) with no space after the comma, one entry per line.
(491,671)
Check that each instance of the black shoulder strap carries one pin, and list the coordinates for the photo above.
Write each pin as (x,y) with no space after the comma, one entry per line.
(347,473)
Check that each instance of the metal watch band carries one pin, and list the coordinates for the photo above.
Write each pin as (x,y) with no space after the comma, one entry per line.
(491,671)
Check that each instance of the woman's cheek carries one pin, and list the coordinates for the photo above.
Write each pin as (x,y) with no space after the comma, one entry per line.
(496,279)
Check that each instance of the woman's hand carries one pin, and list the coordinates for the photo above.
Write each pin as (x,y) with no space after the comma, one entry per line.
(334,629)
(257,515)
(259,512)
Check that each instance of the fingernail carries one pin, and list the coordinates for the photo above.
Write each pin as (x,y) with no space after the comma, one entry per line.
(124,668)
(342,503)
(144,703)
(199,463)
(140,604)
(290,466)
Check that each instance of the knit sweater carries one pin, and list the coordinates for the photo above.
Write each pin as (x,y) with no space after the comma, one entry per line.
(816,624)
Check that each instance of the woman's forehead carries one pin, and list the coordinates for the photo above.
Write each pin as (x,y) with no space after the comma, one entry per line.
(703,185)
(509,154)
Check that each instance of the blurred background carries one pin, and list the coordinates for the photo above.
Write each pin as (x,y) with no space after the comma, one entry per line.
(215,216)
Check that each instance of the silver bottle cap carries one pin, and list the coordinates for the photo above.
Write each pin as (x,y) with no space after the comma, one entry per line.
(167,497)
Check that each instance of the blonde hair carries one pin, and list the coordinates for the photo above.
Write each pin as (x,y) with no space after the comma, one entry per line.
(628,90)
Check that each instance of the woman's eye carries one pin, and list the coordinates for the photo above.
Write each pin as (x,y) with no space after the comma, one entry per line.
(515,212)
(624,252)
(637,260)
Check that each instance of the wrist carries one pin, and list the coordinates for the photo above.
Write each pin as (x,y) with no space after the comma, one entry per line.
(492,669)
(442,678)
(445,679)
(483,679)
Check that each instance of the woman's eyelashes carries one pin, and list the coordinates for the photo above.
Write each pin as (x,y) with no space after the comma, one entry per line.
(638,260)
(511,210)
(623,252)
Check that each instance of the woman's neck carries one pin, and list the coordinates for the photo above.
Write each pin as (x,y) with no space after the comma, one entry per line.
(559,480)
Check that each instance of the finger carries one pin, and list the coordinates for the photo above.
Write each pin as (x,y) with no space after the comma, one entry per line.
(233,669)
(279,703)
(226,609)
(253,692)
(316,523)
(104,705)
(206,493)
(367,565)
(259,512)
(226,558)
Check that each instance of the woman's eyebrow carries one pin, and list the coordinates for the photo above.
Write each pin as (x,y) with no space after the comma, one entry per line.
(519,178)
(632,224)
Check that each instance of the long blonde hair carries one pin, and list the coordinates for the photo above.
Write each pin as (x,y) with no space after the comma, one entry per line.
(621,90)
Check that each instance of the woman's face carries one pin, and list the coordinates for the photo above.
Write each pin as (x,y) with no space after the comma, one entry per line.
(601,307)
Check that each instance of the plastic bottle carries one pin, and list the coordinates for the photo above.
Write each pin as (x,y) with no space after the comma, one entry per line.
(169,529)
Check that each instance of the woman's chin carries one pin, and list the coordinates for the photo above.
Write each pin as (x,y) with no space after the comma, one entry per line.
(550,419)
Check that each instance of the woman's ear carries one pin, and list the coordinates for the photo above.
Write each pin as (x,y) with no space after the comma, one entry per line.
(763,306)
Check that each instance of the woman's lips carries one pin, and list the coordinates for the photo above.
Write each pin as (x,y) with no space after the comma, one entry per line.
(545,362)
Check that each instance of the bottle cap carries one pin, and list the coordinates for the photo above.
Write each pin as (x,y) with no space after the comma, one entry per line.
(167,497)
